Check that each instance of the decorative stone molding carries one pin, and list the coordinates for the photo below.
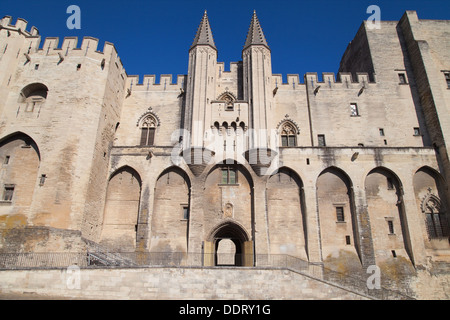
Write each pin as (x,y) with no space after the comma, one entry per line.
(146,114)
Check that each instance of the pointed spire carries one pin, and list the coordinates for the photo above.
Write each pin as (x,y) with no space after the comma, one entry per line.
(204,34)
(255,35)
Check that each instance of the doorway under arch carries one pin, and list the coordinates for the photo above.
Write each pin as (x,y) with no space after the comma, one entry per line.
(228,245)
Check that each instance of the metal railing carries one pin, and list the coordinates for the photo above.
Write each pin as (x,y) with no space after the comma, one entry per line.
(102,259)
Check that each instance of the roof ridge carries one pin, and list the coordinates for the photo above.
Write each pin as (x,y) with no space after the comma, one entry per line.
(204,34)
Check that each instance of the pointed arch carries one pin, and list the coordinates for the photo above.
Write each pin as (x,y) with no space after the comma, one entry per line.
(386,209)
(20,159)
(227,97)
(171,211)
(431,203)
(237,236)
(121,211)
(286,213)
(28,141)
(337,219)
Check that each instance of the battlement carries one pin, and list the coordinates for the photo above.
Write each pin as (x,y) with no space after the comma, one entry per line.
(343,79)
(20,26)
(149,83)
(49,46)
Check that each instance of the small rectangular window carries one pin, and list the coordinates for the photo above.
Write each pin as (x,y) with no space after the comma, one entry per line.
(391,226)
(354,110)
(229,176)
(381,130)
(42,180)
(147,136)
(8,192)
(186,213)
(7,160)
(36,66)
(447,78)
(321,138)
(284,141)
(394,254)
(78,67)
(402,78)
(340,214)
(417,131)
(347,240)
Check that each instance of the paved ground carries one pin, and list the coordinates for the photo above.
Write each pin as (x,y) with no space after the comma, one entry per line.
(31,296)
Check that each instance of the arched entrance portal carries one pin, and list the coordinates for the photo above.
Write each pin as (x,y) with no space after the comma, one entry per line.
(228,245)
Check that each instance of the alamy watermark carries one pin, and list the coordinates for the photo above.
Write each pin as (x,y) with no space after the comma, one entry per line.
(374,280)
(73,278)
(74,20)
(374,21)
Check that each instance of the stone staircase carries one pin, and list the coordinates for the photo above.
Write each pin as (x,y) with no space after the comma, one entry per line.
(99,255)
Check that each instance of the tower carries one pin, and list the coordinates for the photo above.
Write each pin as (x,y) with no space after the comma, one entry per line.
(257,79)
(201,82)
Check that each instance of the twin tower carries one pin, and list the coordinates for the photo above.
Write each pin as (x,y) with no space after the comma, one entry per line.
(238,102)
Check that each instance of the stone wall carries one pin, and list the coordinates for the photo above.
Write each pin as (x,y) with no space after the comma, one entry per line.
(171,284)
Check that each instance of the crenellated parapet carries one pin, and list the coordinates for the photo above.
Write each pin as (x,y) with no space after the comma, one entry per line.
(343,80)
(35,45)
(20,26)
(149,83)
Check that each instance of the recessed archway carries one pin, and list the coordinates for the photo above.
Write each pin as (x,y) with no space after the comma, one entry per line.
(229,245)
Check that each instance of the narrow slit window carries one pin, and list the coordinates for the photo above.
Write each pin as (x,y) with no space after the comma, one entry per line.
(185,213)
(42,180)
(390,226)
(347,240)
(354,112)
(447,78)
(321,139)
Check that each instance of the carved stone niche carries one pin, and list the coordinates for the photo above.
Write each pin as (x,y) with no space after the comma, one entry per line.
(260,159)
(197,159)
(228,210)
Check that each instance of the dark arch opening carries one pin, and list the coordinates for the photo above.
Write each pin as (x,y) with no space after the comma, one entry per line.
(229,231)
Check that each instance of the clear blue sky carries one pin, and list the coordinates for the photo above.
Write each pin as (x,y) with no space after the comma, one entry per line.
(154,36)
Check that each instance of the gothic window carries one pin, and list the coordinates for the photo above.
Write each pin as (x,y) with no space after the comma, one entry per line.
(148,129)
(229,101)
(288,135)
(435,221)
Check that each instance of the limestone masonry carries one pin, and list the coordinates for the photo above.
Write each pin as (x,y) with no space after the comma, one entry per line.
(346,171)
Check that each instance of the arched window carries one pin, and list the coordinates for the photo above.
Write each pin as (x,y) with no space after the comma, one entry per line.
(33,96)
(148,129)
(229,99)
(288,135)
(435,220)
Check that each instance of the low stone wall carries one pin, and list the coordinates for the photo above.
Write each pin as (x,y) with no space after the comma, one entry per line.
(169,284)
